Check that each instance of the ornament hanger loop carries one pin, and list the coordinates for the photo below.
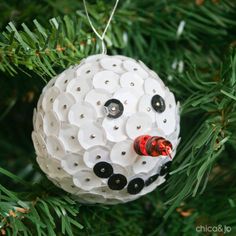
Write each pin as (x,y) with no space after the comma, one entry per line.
(101,37)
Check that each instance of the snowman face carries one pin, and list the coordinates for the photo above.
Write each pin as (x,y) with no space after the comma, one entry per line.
(106,130)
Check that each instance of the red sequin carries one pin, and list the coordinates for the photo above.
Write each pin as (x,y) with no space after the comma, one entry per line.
(152,146)
(140,145)
(165,147)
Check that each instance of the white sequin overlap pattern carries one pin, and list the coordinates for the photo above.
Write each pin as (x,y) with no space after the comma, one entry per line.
(85,124)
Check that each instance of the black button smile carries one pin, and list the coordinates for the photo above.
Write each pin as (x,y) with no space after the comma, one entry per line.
(135,186)
(165,168)
(117,182)
(103,169)
(151,179)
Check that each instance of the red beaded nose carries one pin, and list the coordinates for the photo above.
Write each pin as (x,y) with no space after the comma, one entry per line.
(146,145)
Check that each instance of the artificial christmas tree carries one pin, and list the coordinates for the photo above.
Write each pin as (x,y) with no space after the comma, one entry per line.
(192,46)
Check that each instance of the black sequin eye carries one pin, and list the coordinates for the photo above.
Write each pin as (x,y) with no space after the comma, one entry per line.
(117,182)
(114,108)
(103,169)
(158,103)
(135,186)
(165,168)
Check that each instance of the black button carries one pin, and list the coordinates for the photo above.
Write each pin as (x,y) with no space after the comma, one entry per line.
(158,103)
(135,186)
(103,169)
(117,182)
(114,108)
(165,168)
(151,179)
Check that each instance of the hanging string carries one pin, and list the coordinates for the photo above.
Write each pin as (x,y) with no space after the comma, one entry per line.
(101,37)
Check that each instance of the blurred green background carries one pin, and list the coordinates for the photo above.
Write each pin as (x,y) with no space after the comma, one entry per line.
(197,63)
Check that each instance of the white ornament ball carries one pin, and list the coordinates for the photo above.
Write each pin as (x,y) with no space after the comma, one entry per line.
(95,127)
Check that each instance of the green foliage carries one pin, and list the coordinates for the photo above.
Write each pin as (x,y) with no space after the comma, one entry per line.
(215,108)
(198,63)
(40,213)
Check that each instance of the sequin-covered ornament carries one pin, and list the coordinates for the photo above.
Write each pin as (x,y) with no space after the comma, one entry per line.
(106,130)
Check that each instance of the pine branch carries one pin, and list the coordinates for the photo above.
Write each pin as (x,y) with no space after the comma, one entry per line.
(42,50)
(206,142)
(62,44)
(65,42)
(36,217)
(184,42)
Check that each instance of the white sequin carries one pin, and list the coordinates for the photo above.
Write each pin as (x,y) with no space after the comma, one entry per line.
(51,123)
(79,88)
(72,163)
(96,154)
(145,164)
(170,102)
(107,80)
(63,79)
(112,64)
(39,122)
(68,185)
(42,163)
(152,73)
(39,144)
(50,95)
(40,105)
(50,84)
(123,153)
(81,112)
(145,106)
(62,105)
(90,134)
(138,124)
(115,129)
(94,58)
(86,179)
(55,147)
(103,191)
(97,98)
(120,169)
(69,136)
(133,66)
(87,71)
(153,87)
(132,80)
(34,118)
(55,169)
(166,121)
(129,98)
